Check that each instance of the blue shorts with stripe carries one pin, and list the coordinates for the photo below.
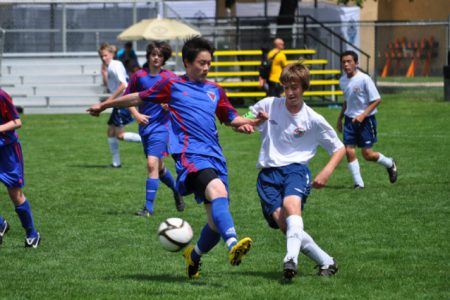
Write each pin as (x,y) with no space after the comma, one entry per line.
(155,144)
(120,117)
(274,184)
(11,165)
(363,135)
(191,163)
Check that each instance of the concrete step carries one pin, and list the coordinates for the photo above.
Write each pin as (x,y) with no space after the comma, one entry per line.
(49,79)
(56,101)
(56,90)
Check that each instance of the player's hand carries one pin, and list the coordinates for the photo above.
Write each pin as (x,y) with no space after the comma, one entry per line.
(261,118)
(339,125)
(320,181)
(142,119)
(359,119)
(95,110)
(165,106)
(247,129)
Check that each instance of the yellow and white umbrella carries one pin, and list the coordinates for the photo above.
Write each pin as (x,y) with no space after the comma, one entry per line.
(158,29)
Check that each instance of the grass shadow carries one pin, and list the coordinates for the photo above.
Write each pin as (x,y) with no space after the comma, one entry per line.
(87,166)
(166,278)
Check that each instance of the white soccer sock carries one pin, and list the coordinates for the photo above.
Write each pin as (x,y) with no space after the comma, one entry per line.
(384,161)
(313,251)
(131,137)
(114,148)
(356,174)
(294,234)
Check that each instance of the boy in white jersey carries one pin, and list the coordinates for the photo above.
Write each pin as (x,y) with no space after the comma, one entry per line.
(361,99)
(289,139)
(116,81)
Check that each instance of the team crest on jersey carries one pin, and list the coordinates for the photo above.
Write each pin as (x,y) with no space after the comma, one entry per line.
(211,95)
(299,132)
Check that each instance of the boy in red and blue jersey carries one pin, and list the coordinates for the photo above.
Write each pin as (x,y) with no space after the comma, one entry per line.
(11,170)
(153,122)
(194,143)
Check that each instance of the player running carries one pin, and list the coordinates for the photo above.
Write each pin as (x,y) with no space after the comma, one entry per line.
(154,126)
(194,144)
(11,171)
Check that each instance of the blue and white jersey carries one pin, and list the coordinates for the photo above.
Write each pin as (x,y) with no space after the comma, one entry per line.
(8,113)
(359,91)
(141,81)
(192,107)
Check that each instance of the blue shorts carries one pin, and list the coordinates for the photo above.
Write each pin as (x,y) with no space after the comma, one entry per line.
(363,135)
(191,163)
(120,117)
(274,184)
(11,165)
(155,144)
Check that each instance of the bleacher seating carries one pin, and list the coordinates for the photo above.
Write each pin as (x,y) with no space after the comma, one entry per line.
(45,84)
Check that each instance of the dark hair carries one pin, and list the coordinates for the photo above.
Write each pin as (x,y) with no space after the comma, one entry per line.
(296,72)
(193,46)
(163,47)
(352,53)
(128,45)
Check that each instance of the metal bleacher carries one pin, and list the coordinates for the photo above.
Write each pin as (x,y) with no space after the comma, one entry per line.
(71,83)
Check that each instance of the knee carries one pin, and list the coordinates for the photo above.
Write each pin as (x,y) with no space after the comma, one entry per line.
(369,155)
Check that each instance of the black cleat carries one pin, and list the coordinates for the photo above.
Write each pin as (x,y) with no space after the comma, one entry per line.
(358,187)
(143,213)
(3,230)
(179,202)
(33,242)
(115,166)
(289,269)
(328,270)
(392,171)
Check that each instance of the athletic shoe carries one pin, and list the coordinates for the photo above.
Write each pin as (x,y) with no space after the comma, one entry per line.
(238,251)
(3,230)
(143,213)
(328,270)
(116,166)
(179,203)
(289,269)
(33,242)
(392,171)
(192,267)
(358,187)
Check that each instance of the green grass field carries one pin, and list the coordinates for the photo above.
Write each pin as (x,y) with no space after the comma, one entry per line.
(390,241)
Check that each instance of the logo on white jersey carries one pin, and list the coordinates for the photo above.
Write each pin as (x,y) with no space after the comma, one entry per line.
(299,132)
(211,95)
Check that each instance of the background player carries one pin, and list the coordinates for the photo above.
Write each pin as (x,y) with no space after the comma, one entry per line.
(153,125)
(117,82)
(11,171)
(361,99)
(194,143)
(288,141)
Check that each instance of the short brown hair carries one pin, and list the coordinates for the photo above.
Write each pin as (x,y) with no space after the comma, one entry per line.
(107,47)
(163,47)
(296,72)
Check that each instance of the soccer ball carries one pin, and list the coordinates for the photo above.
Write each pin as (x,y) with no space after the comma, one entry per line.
(175,234)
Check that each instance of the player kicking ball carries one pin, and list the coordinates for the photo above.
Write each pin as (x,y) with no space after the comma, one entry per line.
(289,139)
(11,171)
(201,167)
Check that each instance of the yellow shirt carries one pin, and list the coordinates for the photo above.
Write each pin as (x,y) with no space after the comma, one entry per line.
(277,64)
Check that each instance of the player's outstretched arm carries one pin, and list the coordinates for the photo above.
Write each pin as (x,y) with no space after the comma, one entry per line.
(322,178)
(11,125)
(123,101)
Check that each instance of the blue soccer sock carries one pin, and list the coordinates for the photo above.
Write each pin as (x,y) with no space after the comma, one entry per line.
(150,194)
(223,221)
(26,218)
(167,178)
(208,239)
(2,220)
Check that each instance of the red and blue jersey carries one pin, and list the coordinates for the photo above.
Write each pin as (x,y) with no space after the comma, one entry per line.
(8,113)
(192,107)
(141,81)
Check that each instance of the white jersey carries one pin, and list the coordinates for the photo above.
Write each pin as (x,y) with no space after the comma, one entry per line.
(116,75)
(288,138)
(359,91)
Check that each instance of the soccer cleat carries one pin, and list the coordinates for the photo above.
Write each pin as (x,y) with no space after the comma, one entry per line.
(289,269)
(3,230)
(358,187)
(143,213)
(33,242)
(392,171)
(328,270)
(238,251)
(192,267)
(179,202)
(116,166)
